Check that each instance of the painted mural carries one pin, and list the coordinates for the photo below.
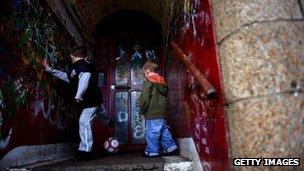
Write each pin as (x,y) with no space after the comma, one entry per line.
(34,108)
(199,118)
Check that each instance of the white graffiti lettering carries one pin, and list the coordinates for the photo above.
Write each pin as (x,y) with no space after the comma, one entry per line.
(138,133)
(38,107)
(122,116)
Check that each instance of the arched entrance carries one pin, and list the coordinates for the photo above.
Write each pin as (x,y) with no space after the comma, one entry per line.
(124,41)
(197,120)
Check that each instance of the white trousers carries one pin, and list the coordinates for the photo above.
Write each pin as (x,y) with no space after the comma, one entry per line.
(85,125)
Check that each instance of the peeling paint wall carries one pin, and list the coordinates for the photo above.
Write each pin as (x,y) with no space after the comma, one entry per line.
(34,108)
(203,120)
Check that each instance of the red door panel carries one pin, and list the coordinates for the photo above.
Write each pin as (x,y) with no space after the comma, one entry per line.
(123,60)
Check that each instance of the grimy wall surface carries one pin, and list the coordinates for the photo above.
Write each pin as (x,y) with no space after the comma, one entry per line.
(37,117)
(261,52)
(191,115)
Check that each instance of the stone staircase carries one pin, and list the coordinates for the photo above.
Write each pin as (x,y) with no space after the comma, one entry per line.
(121,162)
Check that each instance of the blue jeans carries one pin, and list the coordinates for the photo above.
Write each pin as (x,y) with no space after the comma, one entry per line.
(157,131)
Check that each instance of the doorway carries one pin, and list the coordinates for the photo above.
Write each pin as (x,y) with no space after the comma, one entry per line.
(126,40)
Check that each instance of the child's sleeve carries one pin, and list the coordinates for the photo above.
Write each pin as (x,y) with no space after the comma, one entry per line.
(83,83)
(144,98)
(58,74)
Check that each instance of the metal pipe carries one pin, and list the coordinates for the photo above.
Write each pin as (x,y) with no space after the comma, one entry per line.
(198,76)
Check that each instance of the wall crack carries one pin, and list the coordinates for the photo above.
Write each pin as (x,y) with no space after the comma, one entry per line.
(250,23)
(295,92)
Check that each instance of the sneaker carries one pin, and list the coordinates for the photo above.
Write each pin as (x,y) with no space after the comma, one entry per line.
(82,156)
(172,153)
(149,156)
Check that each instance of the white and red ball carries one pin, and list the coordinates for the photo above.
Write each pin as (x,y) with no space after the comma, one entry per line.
(111,145)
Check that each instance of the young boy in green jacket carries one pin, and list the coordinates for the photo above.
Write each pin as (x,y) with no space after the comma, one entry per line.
(154,106)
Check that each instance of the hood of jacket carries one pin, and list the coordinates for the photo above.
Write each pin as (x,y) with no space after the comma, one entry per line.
(159,82)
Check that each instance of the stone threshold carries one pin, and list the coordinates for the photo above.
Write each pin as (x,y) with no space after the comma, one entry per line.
(120,162)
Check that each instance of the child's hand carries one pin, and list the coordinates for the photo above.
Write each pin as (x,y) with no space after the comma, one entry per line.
(45,64)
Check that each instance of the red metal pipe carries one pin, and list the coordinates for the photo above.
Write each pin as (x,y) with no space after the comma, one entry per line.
(198,76)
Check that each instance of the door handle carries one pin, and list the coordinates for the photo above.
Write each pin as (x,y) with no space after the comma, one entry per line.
(120,87)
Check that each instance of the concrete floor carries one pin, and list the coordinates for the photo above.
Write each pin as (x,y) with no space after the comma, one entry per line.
(122,162)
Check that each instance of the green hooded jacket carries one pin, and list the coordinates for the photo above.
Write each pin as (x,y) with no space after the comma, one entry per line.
(153,99)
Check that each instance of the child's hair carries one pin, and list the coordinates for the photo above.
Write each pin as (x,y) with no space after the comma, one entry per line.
(151,66)
(79,51)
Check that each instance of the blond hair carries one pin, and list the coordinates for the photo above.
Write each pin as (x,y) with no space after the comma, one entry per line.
(151,66)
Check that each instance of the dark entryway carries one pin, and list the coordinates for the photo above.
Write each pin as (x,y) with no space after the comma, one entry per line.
(124,41)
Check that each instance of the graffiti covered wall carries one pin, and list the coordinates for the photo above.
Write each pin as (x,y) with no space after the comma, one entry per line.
(195,116)
(33,109)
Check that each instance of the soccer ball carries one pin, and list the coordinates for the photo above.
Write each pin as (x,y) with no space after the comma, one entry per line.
(111,145)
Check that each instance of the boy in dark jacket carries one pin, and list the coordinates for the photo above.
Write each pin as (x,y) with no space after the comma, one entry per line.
(153,105)
(87,95)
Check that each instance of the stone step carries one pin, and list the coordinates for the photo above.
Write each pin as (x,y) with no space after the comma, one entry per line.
(122,162)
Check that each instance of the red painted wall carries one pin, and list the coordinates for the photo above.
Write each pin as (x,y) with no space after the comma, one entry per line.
(203,120)
(34,108)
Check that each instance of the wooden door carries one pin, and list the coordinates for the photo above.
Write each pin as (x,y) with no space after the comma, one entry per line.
(131,51)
